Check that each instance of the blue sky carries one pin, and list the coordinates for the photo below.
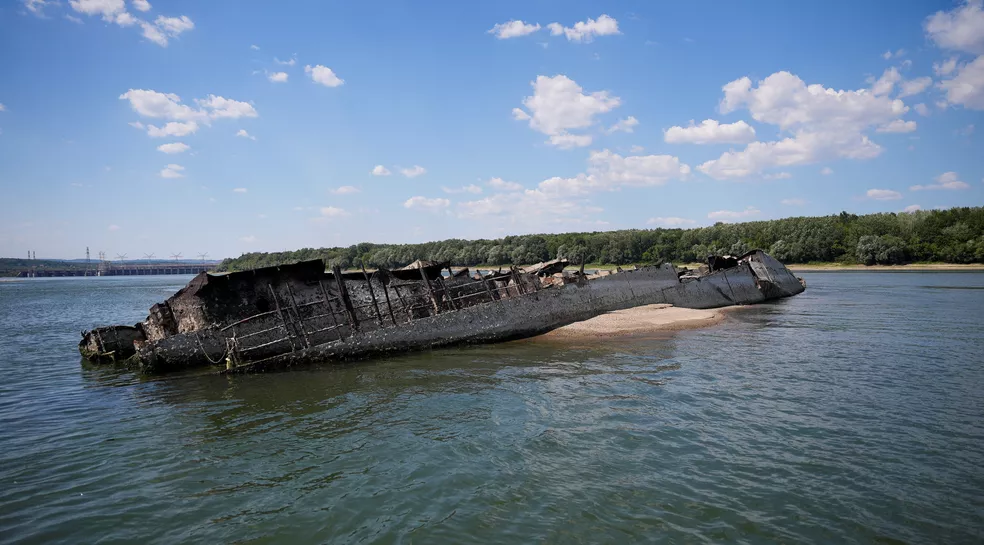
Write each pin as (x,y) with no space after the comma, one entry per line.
(228,126)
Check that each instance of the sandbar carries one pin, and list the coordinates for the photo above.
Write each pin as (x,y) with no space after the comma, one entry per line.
(638,321)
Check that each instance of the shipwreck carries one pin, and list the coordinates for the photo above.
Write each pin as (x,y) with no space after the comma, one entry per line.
(278,317)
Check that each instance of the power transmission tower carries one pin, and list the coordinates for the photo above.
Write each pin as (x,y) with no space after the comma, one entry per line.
(176,257)
(148,257)
(121,258)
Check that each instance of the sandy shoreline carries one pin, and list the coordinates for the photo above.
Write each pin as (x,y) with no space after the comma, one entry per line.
(637,321)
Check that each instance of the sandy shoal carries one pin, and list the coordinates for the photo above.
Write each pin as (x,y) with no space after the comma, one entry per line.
(638,320)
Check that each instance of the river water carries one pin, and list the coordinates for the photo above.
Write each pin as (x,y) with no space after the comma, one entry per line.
(853,413)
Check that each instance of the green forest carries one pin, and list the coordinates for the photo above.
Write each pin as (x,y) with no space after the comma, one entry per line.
(954,235)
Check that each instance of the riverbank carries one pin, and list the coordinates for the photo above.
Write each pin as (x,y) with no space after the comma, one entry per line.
(638,321)
(833,267)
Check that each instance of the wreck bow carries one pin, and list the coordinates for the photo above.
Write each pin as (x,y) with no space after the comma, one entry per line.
(276,317)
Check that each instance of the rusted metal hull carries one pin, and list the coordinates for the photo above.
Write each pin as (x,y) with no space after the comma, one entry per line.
(273,319)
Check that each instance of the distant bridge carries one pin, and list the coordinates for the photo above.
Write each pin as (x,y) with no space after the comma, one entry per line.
(116,269)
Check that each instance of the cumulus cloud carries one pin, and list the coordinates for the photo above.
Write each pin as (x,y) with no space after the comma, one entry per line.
(887,81)
(499,184)
(921,109)
(670,222)
(423,203)
(172,171)
(625,125)
(289,62)
(154,104)
(249,239)
(140,5)
(912,208)
(345,190)
(792,202)
(164,28)
(323,75)
(380,170)
(240,190)
(568,141)
(826,171)
(883,195)
(586,31)
(947,180)
(778,176)
(608,171)
(513,29)
(558,105)
(277,77)
(174,147)
(412,172)
(254,47)
(946,67)
(172,128)
(897,126)
(966,87)
(710,132)
(333,212)
(914,86)
(225,108)
(722,215)
(960,29)
(824,124)
(241,133)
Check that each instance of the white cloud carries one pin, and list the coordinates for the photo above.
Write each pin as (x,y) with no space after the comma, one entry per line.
(792,202)
(825,124)
(921,109)
(254,47)
(637,149)
(961,29)
(826,171)
(164,28)
(140,5)
(501,185)
(172,128)
(470,188)
(277,77)
(946,67)
(412,172)
(897,126)
(174,147)
(161,105)
(947,180)
(423,203)
(289,62)
(345,190)
(222,107)
(609,171)
(888,54)
(240,190)
(914,86)
(172,171)
(886,82)
(585,31)
(625,125)
(710,132)
(558,105)
(966,88)
(36,6)
(513,29)
(113,227)
(883,195)
(323,75)
(249,239)
(778,176)
(333,212)
(243,134)
(519,115)
(912,208)
(670,222)
(2,107)
(733,215)
(568,141)
(380,170)
(108,9)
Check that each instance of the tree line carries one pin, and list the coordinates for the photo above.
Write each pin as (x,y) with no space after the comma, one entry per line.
(955,235)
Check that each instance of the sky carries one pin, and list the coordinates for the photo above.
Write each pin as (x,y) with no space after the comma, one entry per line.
(223,127)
